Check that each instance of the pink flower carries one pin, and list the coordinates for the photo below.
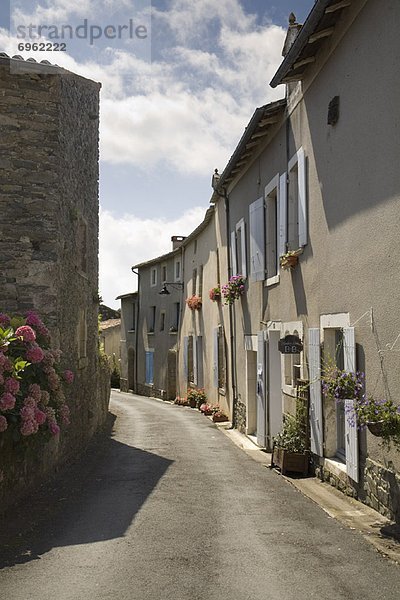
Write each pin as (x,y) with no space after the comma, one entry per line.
(44,397)
(35,392)
(1,378)
(11,385)
(4,320)
(54,428)
(54,380)
(26,333)
(35,354)
(40,416)
(30,401)
(7,401)
(29,427)
(35,321)
(3,423)
(5,363)
(68,376)
(28,413)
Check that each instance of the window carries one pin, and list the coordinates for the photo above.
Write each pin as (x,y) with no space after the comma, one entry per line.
(153,276)
(296,202)
(193,359)
(149,367)
(201,281)
(257,240)
(190,361)
(177,270)
(194,282)
(176,307)
(292,369)
(133,317)
(162,320)
(164,273)
(152,319)
(238,249)
(272,228)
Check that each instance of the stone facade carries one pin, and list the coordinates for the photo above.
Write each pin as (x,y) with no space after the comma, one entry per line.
(49,230)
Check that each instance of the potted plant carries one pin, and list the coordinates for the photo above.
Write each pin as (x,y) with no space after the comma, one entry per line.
(380,417)
(194,302)
(232,290)
(342,385)
(196,397)
(215,294)
(289,451)
(218,415)
(206,409)
(290,259)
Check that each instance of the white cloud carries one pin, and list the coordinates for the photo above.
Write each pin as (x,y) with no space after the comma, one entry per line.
(128,240)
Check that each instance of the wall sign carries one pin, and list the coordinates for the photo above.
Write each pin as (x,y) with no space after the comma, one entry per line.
(290,344)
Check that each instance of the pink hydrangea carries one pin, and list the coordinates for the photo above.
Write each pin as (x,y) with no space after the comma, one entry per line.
(5,363)
(54,428)
(7,401)
(40,416)
(44,397)
(11,385)
(68,376)
(33,319)
(3,423)
(29,427)
(26,333)
(30,401)
(34,354)
(1,378)
(28,413)
(35,392)
(54,380)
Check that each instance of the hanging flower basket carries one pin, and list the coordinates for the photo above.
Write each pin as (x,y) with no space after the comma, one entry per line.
(290,259)
(232,290)
(194,302)
(376,428)
(215,294)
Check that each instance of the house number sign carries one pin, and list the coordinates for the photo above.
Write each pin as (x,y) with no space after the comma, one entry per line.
(290,344)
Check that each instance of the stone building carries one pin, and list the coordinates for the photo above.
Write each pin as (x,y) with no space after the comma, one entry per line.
(49,224)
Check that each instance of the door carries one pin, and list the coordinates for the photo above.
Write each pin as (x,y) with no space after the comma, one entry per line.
(262,350)
(274,386)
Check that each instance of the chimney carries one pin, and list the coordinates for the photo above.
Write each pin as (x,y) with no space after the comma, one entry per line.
(292,33)
(177,241)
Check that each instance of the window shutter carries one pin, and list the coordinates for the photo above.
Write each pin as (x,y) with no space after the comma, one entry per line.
(257,240)
(282,214)
(149,367)
(302,197)
(351,432)
(314,367)
(261,391)
(185,357)
(215,357)
(243,244)
(199,357)
(194,346)
(233,253)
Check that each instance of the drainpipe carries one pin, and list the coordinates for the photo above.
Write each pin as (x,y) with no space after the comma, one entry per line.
(137,330)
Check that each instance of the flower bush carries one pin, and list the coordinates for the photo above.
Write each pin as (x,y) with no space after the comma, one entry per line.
(292,436)
(206,409)
(215,294)
(32,399)
(232,290)
(369,410)
(340,384)
(194,302)
(196,397)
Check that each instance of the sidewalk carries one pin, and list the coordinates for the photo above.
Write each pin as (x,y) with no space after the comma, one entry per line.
(383,534)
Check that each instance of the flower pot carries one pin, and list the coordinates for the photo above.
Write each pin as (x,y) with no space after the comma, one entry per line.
(294,462)
(219,418)
(193,403)
(375,427)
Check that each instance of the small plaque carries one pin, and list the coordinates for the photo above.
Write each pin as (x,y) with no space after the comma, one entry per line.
(290,344)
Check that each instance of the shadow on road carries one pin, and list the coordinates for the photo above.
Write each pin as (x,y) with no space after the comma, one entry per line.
(92,500)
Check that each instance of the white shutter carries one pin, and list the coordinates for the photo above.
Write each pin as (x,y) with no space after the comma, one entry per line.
(194,346)
(257,240)
(302,197)
(314,368)
(185,357)
(243,245)
(199,355)
(261,391)
(282,214)
(233,253)
(351,432)
(215,357)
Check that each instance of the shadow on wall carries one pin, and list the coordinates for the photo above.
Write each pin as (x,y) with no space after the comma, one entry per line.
(96,499)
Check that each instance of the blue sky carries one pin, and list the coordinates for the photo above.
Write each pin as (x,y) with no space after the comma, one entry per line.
(173,105)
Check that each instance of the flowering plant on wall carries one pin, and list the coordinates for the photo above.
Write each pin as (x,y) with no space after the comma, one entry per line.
(290,259)
(194,302)
(32,399)
(215,294)
(381,417)
(232,290)
(340,384)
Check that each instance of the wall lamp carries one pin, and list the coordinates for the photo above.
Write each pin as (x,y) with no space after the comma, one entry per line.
(164,290)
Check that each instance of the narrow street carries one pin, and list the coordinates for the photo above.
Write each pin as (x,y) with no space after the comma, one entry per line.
(168,507)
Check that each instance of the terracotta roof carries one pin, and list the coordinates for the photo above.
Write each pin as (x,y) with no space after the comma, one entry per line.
(110,323)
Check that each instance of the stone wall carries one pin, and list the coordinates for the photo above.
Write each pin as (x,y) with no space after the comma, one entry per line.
(49,234)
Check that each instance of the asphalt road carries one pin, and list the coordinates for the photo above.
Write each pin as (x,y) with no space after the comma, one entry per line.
(168,508)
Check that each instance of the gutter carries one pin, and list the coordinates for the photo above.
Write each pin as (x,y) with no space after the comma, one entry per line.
(301,40)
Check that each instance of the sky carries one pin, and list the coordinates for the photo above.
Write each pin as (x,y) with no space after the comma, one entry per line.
(180,81)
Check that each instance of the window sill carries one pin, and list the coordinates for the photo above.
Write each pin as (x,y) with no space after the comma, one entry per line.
(173,333)
(272,280)
(131,330)
(150,333)
(149,385)
(289,390)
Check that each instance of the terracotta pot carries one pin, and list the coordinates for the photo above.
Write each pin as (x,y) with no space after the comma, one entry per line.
(219,418)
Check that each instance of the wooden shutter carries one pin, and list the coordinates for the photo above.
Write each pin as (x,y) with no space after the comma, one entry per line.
(215,357)
(302,197)
(257,240)
(199,356)
(185,357)
(282,215)
(243,245)
(194,346)
(261,391)
(351,432)
(233,253)
(314,368)
(149,367)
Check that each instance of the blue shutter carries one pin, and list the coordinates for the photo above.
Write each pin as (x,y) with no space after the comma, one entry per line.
(261,390)
(282,214)
(233,253)
(302,197)
(149,367)
(351,433)
(257,240)
(314,368)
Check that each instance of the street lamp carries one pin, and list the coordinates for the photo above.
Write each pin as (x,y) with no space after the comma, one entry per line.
(164,290)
